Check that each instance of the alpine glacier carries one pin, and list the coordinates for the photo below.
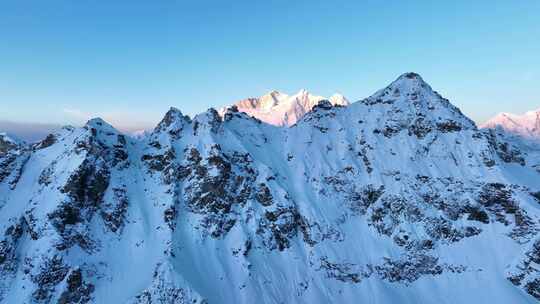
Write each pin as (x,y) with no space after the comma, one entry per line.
(396,198)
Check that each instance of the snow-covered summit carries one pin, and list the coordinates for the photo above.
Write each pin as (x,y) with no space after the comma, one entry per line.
(526,125)
(410,91)
(280,109)
(100,125)
(410,103)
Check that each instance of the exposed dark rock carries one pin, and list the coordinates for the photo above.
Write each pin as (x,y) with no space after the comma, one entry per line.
(87,185)
(216,185)
(420,128)
(411,75)
(85,189)
(247,248)
(278,227)
(47,142)
(389,212)
(160,161)
(443,229)
(66,214)
(536,195)
(114,212)
(163,290)
(506,152)
(210,120)
(263,195)
(497,199)
(526,274)
(449,126)
(362,200)
(8,246)
(77,290)
(169,216)
(323,105)
(50,273)
(46,176)
(390,131)
(409,268)
(173,123)
(344,272)
(477,214)
(533,288)
(6,145)
(11,166)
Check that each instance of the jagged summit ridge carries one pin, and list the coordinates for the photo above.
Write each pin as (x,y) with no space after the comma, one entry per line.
(399,200)
(526,125)
(99,124)
(280,109)
(409,88)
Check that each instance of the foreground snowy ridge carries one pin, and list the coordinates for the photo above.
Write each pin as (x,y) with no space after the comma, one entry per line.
(397,198)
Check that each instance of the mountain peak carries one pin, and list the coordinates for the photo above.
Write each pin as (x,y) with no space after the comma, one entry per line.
(410,100)
(275,93)
(280,109)
(526,125)
(100,129)
(172,114)
(338,99)
(411,76)
(172,121)
(410,82)
(99,124)
(302,92)
(268,100)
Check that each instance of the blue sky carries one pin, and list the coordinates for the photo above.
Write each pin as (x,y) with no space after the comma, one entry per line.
(129,61)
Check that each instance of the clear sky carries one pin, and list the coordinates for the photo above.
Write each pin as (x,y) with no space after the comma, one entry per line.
(129,61)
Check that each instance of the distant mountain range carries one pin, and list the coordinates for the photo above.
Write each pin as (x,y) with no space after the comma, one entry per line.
(30,132)
(281,109)
(526,125)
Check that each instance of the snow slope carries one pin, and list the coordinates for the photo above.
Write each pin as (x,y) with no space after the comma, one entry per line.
(397,198)
(281,109)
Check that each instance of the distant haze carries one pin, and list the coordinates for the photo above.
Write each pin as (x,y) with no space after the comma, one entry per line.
(29,132)
(33,132)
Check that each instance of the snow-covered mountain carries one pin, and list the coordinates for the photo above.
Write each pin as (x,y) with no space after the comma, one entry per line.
(281,109)
(526,125)
(7,142)
(397,198)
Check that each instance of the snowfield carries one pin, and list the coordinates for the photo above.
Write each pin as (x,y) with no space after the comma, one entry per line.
(396,198)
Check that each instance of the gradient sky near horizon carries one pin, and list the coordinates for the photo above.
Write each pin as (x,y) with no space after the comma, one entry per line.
(62,61)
